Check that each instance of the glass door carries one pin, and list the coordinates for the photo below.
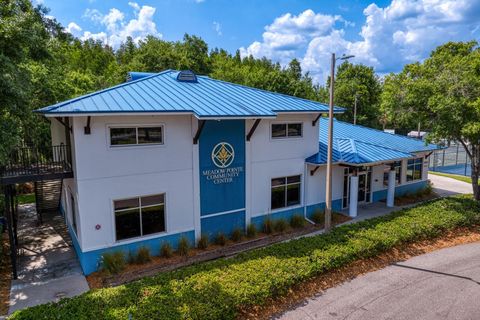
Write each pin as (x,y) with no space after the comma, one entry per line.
(362,187)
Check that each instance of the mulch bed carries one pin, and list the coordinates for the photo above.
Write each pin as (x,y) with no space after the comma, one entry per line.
(414,199)
(315,286)
(5,274)
(159,264)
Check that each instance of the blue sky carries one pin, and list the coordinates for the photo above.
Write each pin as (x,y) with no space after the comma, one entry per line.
(384,34)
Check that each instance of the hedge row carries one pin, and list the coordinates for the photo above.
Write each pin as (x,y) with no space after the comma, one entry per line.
(217,289)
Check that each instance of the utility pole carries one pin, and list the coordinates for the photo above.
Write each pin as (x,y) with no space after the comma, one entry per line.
(355,110)
(328,188)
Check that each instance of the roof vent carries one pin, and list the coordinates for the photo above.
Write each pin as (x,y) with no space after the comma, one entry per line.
(187,76)
(132,76)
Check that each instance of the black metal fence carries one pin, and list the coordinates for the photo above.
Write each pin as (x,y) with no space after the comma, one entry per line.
(453,159)
(24,161)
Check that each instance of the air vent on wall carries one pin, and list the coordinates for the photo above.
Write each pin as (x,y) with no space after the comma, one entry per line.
(186,76)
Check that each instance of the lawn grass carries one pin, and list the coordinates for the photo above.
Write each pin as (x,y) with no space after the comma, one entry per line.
(26,198)
(453,176)
(218,289)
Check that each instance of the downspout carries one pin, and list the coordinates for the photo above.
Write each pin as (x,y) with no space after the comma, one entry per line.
(305,174)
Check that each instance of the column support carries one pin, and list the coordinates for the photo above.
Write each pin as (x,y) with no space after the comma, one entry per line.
(391,188)
(353,204)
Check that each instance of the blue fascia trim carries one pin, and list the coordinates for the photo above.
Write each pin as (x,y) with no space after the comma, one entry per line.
(91,260)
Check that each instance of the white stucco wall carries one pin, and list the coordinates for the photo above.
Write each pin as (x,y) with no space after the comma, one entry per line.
(105,174)
(269,158)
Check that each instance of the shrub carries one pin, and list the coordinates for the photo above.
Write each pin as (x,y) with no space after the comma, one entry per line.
(221,239)
(183,246)
(318,216)
(143,255)
(251,230)
(131,258)
(297,221)
(236,235)
(219,289)
(267,225)
(113,262)
(166,250)
(280,225)
(203,242)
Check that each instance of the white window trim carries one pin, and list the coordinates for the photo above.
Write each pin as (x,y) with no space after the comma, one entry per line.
(299,205)
(286,137)
(136,126)
(141,237)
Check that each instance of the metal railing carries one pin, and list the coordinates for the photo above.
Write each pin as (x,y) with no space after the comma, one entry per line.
(24,161)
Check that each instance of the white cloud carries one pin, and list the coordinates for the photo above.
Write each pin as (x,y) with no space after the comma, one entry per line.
(289,33)
(199,1)
(73,28)
(217,27)
(118,28)
(402,32)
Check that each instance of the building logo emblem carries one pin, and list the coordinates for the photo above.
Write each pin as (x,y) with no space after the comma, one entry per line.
(223,155)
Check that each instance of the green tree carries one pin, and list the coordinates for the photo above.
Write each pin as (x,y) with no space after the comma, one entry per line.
(443,93)
(358,83)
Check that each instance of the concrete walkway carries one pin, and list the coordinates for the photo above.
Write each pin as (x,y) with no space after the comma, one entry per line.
(443,284)
(444,186)
(48,268)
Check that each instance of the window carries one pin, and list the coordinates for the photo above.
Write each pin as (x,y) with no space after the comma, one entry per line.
(414,169)
(397,165)
(136,135)
(140,216)
(74,216)
(286,130)
(285,192)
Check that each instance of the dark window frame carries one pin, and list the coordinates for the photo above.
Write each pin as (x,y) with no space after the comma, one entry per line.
(287,134)
(398,174)
(140,207)
(416,166)
(285,188)
(137,142)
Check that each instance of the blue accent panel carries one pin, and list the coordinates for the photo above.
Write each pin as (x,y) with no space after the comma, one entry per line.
(285,214)
(336,206)
(400,190)
(222,189)
(225,223)
(90,261)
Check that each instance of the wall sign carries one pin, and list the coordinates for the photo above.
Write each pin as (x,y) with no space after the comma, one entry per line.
(222,166)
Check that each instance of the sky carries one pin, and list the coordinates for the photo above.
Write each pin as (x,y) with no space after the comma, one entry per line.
(385,35)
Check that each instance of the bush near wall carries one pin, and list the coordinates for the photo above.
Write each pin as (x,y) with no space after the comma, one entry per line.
(217,289)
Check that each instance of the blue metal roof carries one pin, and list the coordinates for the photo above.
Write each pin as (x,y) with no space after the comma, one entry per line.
(354,144)
(162,92)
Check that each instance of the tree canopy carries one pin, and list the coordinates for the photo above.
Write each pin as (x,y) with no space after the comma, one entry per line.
(443,93)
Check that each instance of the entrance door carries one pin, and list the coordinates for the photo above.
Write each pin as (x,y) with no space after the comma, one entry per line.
(362,187)
(364,179)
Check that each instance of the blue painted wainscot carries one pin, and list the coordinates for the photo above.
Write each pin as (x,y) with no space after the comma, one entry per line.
(90,261)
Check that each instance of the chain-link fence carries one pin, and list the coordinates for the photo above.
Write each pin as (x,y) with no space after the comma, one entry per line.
(452,160)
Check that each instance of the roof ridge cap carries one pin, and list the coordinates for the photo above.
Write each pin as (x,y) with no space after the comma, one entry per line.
(376,130)
(271,92)
(64,103)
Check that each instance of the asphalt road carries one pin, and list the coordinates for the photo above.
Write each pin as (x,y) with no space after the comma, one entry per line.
(443,284)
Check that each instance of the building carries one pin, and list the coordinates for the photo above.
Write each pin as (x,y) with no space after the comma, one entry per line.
(174,154)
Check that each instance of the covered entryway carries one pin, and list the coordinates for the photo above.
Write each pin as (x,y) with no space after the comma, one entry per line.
(362,181)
